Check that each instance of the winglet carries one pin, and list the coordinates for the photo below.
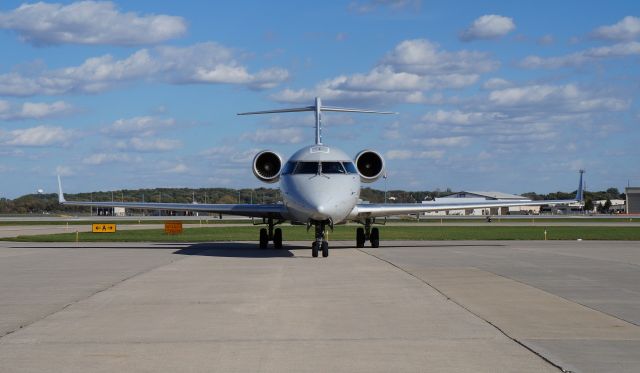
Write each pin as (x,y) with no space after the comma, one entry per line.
(580,192)
(60,194)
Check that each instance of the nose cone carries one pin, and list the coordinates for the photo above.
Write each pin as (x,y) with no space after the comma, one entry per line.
(317,206)
(320,197)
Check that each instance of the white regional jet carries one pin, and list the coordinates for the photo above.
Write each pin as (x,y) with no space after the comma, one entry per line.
(320,188)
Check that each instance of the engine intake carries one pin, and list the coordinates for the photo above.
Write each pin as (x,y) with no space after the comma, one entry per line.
(370,166)
(267,166)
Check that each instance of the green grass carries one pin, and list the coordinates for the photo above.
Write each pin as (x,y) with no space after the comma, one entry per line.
(294,233)
(213,220)
(126,222)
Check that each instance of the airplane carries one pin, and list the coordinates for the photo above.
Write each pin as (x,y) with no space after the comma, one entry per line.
(320,187)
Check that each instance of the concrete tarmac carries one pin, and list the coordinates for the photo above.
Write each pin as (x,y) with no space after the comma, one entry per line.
(499,306)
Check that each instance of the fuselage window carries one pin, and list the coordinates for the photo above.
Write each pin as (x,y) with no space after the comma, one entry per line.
(306,168)
(332,168)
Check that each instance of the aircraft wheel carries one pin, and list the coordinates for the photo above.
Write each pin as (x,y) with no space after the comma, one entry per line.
(375,237)
(314,249)
(325,249)
(264,238)
(277,238)
(360,237)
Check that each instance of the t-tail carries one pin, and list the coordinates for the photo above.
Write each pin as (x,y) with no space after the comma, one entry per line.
(318,109)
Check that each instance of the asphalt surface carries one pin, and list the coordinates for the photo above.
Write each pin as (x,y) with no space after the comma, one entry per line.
(405,307)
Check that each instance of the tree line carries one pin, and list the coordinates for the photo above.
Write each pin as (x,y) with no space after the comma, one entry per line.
(48,203)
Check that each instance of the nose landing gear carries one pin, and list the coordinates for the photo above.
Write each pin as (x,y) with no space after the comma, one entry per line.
(320,243)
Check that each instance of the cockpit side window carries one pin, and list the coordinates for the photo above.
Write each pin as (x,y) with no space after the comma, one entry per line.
(351,168)
(288,168)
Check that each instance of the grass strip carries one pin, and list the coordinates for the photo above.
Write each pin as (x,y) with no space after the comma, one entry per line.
(294,233)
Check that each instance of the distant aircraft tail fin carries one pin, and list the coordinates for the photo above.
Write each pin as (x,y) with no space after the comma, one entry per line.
(580,192)
(318,109)
(60,194)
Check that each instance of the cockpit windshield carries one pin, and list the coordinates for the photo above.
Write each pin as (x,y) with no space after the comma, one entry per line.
(306,168)
(313,168)
(333,168)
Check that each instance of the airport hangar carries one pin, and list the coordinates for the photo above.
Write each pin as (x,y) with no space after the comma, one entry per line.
(633,199)
(477,196)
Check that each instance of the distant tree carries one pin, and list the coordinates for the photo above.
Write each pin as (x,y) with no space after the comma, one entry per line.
(600,208)
(588,204)
(607,206)
(227,199)
(613,193)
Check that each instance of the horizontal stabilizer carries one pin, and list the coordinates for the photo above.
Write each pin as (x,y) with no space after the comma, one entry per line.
(318,108)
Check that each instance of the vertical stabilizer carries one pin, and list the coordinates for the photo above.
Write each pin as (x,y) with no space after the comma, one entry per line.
(60,194)
(580,192)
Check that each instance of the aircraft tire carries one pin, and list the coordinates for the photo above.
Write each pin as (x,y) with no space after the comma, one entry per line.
(277,238)
(375,237)
(264,238)
(325,249)
(314,249)
(360,237)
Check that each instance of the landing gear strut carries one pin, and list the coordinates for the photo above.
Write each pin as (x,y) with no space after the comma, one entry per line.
(367,233)
(271,234)
(320,243)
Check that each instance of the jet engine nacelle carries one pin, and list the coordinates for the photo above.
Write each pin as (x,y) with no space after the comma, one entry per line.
(267,166)
(370,166)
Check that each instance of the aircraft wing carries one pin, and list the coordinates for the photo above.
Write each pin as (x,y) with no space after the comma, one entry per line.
(387,209)
(275,211)
(365,210)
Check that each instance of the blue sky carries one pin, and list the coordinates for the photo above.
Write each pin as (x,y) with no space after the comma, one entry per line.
(494,95)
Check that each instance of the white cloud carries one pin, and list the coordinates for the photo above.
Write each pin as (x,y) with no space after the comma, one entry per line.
(582,57)
(33,110)
(230,154)
(412,67)
(89,22)
(409,154)
(495,83)
(369,6)
(290,135)
(179,168)
(457,117)
(149,145)
(490,26)
(104,158)
(37,136)
(421,56)
(64,171)
(458,141)
(627,28)
(546,39)
(205,63)
(142,126)
(569,97)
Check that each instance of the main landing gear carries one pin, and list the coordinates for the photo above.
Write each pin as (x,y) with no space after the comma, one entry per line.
(271,234)
(320,243)
(367,233)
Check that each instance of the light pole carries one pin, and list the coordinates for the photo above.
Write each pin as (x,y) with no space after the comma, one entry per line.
(385,187)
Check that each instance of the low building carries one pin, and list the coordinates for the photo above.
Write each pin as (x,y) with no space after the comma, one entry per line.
(633,200)
(479,197)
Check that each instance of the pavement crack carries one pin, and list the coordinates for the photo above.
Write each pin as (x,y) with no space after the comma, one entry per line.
(560,368)
(108,287)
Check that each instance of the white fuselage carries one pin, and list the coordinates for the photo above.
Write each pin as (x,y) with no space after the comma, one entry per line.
(322,195)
